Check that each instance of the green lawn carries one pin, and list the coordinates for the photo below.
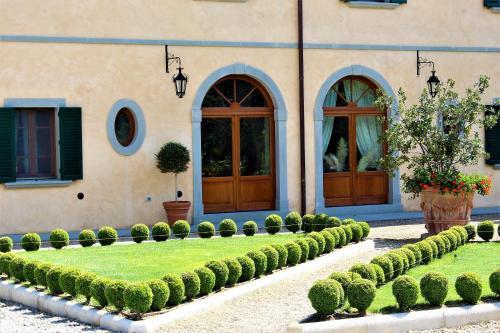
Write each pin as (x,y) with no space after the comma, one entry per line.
(136,262)
(481,257)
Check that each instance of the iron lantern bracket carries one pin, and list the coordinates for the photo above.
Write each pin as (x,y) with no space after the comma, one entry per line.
(170,59)
(421,62)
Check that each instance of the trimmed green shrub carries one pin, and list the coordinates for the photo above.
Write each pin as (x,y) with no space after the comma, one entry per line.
(293,222)
(494,281)
(397,263)
(282,254)
(406,262)
(348,221)
(469,287)
(272,258)
(192,284)
(6,244)
(320,222)
(451,238)
(344,278)
(67,280)
(304,248)
(435,250)
(386,264)
(366,271)
(176,288)
(59,238)
(471,231)
(464,235)
(366,229)
(273,224)
(334,221)
(235,270)
(357,232)
(138,297)
(441,246)
(41,271)
(181,229)
(87,238)
(139,232)
(329,241)
(29,271)
(107,236)
(5,259)
(221,272)
(82,284)
(335,234)
(434,287)
(160,231)
(405,290)
(308,223)
(294,253)
(227,228)
(313,248)
(348,233)
(161,293)
(326,296)
(31,241)
(97,290)
(114,293)
(361,293)
(206,229)
(16,266)
(207,280)
(342,237)
(426,250)
(409,255)
(247,268)
(447,243)
(260,261)
(485,230)
(458,235)
(53,280)
(250,228)
(320,239)
(380,274)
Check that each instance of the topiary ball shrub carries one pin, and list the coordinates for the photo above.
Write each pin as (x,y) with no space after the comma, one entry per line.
(471,231)
(348,233)
(409,254)
(282,254)
(260,261)
(441,245)
(485,230)
(335,235)
(161,293)
(82,284)
(494,281)
(360,294)
(31,241)
(308,223)
(107,236)
(181,229)
(366,229)
(386,264)
(320,222)
(357,232)
(469,287)
(334,221)
(397,263)
(206,229)
(406,262)
(192,284)
(5,259)
(59,238)
(235,271)
(16,267)
(342,237)
(273,224)
(138,297)
(53,280)
(293,222)
(87,238)
(41,271)
(114,293)
(67,280)
(447,243)
(247,268)
(348,221)
(458,235)
(405,290)
(139,232)
(221,272)
(250,228)
(97,291)
(6,244)
(313,249)
(329,241)
(366,271)
(272,257)
(451,238)
(207,280)
(304,248)
(380,274)
(320,239)
(434,247)
(464,235)
(326,296)
(434,288)
(294,253)
(227,228)
(344,278)
(426,250)
(160,231)
(176,288)
(29,271)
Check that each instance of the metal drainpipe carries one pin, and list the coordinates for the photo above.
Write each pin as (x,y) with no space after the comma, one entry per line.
(301,106)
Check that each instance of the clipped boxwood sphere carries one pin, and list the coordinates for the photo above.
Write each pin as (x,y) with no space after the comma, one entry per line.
(416,253)
(397,263)
(451,238)
(386,264)
(227,228)
(344,278)
(41,271)
(361,293)
(357,232)
(235,270)
(6,244)
(495,282)
(107,236)
(471,231)
(366,271)
(114,293)
(435,250)
(82,284)
(67,280)
(447,243)
(458,235)
(348,221)
(441,246)
(160,231)
(53,280)
(176,288)
(406,262)
(313,248)
(308,223)
(139,232)
(192,284)
(464,236)
(5,259)
(426,250)
(247,268)
(485,230)
(409,254)
(16,267)
(206,229)
(87,238)
(293,222)
(335,235)
(329,241)
(97,290)
(273,224)
(405,290)
(380,274)
(31,241)
(207,280)
(469,287)
(282,254)
(161,294)
(138,297)
(334,221)
(181,229)
(326,296)
(272,257)
(348,233)
(320,239)
(434,287)
(304,248)
(294,253)
(221,272)
(29,271)
(366,229)
(250,228)
(342,237)
(320,222)
(260,261)
(59,238)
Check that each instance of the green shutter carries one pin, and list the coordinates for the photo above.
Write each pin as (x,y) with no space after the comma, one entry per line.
(492,142)
(492,3)
(398,1)
(70,143)
(7,146)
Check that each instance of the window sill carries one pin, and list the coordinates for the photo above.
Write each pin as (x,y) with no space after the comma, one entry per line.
(496,166)
(373,5)
(495,10)
(38,183)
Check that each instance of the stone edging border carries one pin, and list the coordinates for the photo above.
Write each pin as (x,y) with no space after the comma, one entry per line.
(404,322)
(87,314)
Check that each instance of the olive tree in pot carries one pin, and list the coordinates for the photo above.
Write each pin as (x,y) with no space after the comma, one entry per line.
(174,158)
(432,141)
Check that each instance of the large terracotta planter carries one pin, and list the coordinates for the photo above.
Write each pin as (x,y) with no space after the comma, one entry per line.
(176,210)
(443,211)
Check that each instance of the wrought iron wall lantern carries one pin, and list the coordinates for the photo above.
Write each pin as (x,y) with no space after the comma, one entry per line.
(180,79)
(433,81)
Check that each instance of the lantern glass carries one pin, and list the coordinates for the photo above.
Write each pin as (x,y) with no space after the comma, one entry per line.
(433,84)
(180,81)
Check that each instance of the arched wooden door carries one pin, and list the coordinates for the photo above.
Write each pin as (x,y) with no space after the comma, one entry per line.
(237,144)
(352,127)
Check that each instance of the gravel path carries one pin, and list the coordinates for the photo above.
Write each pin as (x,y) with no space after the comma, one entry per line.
(489,327)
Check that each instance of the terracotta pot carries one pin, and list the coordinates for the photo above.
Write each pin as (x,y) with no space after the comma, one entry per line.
(443,211)
(176,210)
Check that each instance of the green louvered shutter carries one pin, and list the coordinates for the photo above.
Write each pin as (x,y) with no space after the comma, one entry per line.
(492,142)
(70,143)
(7,146)
(492,3)
(398,1)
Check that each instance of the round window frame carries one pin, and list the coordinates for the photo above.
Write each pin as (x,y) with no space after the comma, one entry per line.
(131,120)
(140,127)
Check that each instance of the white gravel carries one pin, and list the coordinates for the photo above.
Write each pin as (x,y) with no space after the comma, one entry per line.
(489,327)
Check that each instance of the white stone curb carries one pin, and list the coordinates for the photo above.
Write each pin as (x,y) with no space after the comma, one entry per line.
(404,322)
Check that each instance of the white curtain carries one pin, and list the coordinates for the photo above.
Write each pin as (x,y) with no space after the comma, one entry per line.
(330,101)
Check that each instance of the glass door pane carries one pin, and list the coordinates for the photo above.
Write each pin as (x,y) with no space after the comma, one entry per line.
(369,147)
(255,147)
(336,144)
(216,147)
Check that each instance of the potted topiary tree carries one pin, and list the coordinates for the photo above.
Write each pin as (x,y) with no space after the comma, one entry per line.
(174,158)
(432,141)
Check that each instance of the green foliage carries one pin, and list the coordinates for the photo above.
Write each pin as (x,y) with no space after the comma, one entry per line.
(6,244)
(494,280)
(342,237)
(138,297)
(282,254)
(440,244)
(397,263)
(294,253)
(348,221)
(97,290)
(87,238)
(250,228)
(67,280)
(308,223)
(206,229)
(107,235)
(293,222)
(273,224)
(426,250)
(485,230)
(160,231)
(464,235)
(31,241)
(471,231)
(260,261)
(181,229)
(366,229)
(357,232)
(460,238)
(207,280)
(227,228)
(348,233)
(82,284)
(326,296)
(247,268)
(334,221)
(192,284)
(272,257)
(235,270)
(386,264)
(469,287)
(313,248)
(405,290)
(173,157)
(451,238)
(320,239)
(320,222)
(361,293)
(447,243)
(409,255)
(29,271)
(434,287)
(335,234)
(329,241)
(59,238)
(139,232)
(41,271)
(304,248)
(53,280)
(366,271)
(221,272)
(176,288)
(380,274)
(114,293)
(344,278)
(434,247)
(161,293)
(16,266)
(406,262)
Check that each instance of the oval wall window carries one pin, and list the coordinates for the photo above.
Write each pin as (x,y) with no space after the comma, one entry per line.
(125,127)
